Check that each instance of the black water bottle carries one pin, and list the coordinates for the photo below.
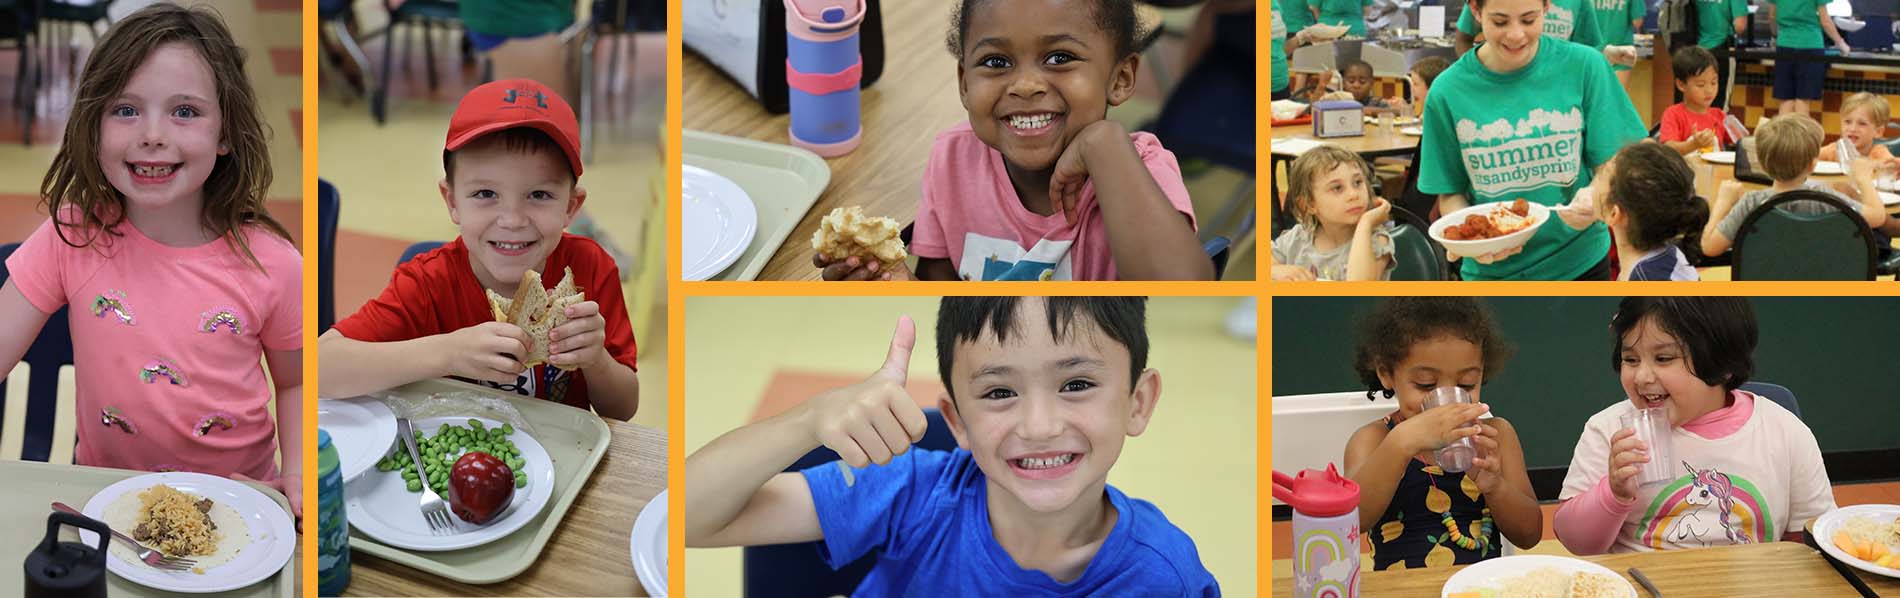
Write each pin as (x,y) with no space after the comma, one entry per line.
(68,569)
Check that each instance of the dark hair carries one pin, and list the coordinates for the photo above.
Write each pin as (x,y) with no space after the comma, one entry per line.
(964,319)
(1357,64)
(520,140)
(233,192)
(1691,61)
(1480,4)
(1116,17)
(1387,335)
(1429,67)
(1718,333)
(1655,186)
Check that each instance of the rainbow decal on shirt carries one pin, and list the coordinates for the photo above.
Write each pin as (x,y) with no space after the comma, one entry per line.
(217,420)
(163,367)
(227,317)
(112,301)
(1325,564)
(1708,508)
(111,416)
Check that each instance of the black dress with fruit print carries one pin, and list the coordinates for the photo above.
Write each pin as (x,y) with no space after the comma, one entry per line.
(1414,530)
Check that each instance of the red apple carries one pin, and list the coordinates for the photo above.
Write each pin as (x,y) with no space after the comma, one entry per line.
(480,486)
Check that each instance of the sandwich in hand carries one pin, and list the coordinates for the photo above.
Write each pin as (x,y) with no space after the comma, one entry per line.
(537,310)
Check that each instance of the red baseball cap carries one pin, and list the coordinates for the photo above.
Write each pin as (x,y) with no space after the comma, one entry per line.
(516,103)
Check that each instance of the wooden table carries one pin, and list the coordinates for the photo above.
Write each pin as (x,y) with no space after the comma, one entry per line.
(586,556)
(1772,569)
(914,99)
(1880,584)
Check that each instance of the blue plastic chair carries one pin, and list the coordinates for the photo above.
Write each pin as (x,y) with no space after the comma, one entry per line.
(328,204)
(797,570)
(52,349)
(419,248)
(1777,393)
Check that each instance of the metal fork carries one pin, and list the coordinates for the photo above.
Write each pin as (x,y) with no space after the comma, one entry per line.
(434,510)
(154,558)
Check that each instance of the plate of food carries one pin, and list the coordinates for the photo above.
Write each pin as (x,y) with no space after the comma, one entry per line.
(649,546)
(494,478)
(1413,131)
(1718,157)
(361,428)
(1490,227)
(1827,167)
(1323,32)
(1537,575)
(717,222)
(237,535)
(1864,536)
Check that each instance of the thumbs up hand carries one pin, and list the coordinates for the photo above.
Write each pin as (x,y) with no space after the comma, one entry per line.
(874,420)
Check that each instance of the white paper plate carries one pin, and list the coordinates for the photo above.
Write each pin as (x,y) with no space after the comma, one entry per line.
(649,546)
(1323,32)
(1540,214)
(717,222)
(382,507)
(1400,121)
(1827,524)
(1488,573)
(1719,157)
(1826,167)
(362,429)
(1889,198)
(272,536)
(1413,131)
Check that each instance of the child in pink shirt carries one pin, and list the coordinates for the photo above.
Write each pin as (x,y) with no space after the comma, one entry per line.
(1745,470)
(1038,185)
(182,286)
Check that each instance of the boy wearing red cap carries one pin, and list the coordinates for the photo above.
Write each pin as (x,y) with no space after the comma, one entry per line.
(512,164)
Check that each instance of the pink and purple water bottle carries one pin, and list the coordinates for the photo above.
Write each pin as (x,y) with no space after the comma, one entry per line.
(822,73)
(1325,532)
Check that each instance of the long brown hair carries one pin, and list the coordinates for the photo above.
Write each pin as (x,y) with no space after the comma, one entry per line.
(233,194)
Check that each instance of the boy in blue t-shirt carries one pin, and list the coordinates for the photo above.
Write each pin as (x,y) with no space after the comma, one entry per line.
(1040,394)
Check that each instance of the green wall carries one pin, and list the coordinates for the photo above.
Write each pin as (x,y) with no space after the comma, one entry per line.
(1840,356)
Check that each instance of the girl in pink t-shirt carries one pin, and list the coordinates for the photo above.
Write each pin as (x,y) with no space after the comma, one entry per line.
(182,286)
(1038,185)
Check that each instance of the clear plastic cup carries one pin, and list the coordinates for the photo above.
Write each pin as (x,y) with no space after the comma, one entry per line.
(1457,456)
(1653,428)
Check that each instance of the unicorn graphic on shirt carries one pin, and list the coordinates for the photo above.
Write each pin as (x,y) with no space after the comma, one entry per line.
(1711,500)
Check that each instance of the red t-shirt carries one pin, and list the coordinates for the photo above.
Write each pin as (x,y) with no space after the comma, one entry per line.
(1678,123)
(437,293)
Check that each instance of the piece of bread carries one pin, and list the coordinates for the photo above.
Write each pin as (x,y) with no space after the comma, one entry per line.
(847,232)
(537,310)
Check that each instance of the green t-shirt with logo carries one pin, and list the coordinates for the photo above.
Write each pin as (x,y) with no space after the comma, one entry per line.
(1501,136)
(1279,50)
(1351,13)
(1574,20)
(1614,18)
(1797,23)
(1298,15)
(1715,20)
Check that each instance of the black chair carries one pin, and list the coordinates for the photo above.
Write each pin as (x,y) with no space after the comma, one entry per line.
(796,570)
(612,19)
(50,351)
(1777,393)
(1777,244)
(337,17)
(1415,255)
(19,23)
(66,14)
(424,13)
(328,206)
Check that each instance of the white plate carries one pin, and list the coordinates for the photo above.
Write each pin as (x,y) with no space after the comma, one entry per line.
(717,222)
(1324,32)
(362,429)
(1540,214)
(1400,121)
(1719,157)
(649,546)
(1413,131)
(382,507)
(1826,167)
(1827,524)
(273,538)
(1486,573)
(1889,198)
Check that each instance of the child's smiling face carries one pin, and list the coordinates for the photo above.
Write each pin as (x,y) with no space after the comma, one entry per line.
(1033,73)
(160,138)
(1657,371)
(511,207)
(1045,418)
(1442,360)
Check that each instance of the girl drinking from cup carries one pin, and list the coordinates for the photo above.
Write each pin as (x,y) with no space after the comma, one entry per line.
(1720,466)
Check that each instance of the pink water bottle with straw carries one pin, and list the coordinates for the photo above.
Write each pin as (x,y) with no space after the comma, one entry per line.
(822,73)
(1325,531)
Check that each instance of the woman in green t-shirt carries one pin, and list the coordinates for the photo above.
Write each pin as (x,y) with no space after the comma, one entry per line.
(1351,13)
(1617,22)
(1506,122)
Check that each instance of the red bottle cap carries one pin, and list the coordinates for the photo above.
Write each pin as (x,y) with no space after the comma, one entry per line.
(1317,493)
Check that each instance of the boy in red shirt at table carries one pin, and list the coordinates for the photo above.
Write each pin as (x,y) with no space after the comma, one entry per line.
(1694,125)
(512,186)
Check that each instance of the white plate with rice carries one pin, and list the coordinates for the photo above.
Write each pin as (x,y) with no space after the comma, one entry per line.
(1858,520)
(382,507)
(1533,576)
(255,537)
